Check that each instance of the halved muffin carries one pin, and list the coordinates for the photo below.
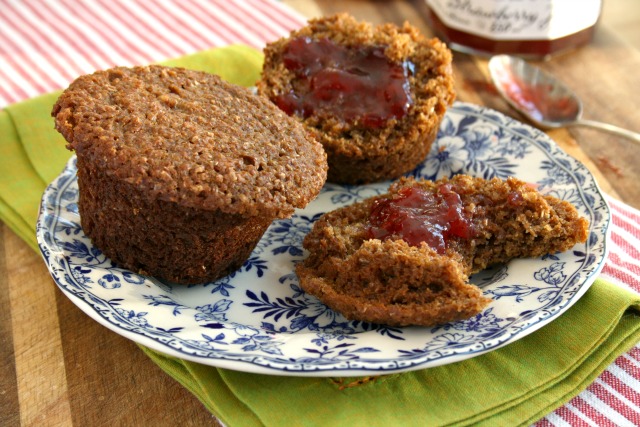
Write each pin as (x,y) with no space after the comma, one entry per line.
(404,258)
(374,96)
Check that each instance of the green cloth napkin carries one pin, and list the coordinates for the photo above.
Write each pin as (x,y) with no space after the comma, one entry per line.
(515,385)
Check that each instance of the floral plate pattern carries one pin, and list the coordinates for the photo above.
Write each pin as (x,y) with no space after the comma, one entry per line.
(259,320)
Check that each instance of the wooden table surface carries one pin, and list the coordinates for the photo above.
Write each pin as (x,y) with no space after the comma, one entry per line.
(59,367)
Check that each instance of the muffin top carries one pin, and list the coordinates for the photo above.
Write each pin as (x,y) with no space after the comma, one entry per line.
(188,137)
(367,67)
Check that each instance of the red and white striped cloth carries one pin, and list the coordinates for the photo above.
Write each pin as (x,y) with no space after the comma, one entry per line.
(47,44)
(44,45)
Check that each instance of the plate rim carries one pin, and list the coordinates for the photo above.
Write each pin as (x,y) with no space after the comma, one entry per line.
(251,365)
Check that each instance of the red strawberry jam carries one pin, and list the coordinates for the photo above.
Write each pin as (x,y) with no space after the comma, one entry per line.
(417,215)
(355,85)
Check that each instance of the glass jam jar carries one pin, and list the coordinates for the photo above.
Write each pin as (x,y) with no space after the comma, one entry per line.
(535,29)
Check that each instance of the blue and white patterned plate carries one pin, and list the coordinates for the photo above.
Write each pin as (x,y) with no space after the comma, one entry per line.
(259,320)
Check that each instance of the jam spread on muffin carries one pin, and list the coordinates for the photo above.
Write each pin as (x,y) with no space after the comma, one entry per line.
(428,238)
(416,215)
(372,95)
(355,84)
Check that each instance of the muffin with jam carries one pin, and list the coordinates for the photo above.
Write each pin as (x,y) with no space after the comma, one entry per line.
(373,95)
(404,258)
(180,173)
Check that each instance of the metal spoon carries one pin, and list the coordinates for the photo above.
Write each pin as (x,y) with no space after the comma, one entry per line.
(540,97)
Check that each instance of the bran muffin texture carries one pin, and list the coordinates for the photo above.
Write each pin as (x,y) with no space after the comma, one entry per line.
(356,153)
(391,282)
(180,173)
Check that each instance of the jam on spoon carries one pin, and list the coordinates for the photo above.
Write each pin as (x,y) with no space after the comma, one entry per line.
(542,98)
(417,215)
(356,85)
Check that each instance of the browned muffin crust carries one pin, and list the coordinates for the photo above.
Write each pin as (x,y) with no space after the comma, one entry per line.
(188,137)
(163,239)
(180,173)
(394,283)
(358,154)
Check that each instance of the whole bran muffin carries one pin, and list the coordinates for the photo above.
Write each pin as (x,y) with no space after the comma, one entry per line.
(390,281)
(179,172)
(357,152)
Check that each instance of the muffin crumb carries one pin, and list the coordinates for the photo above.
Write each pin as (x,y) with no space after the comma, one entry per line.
(359,152)
(397,281)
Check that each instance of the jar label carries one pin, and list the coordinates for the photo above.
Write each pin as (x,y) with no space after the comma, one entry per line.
(518,19)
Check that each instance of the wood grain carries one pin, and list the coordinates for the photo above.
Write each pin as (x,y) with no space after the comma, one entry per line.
(9,400)
(59,367)
(37,343)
